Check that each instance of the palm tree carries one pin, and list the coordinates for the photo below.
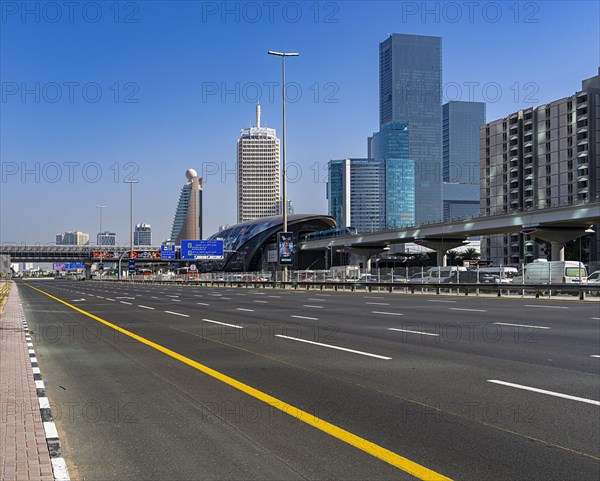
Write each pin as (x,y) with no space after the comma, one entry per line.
(470,254)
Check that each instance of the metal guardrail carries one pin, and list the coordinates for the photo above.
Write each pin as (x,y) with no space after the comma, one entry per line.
(539,290)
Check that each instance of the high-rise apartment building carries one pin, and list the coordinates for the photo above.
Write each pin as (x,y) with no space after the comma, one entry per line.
(142,235)
(258,172)
(76,238)
(540,157)
(460,165)
(187,223)
(410,88)
(371,194)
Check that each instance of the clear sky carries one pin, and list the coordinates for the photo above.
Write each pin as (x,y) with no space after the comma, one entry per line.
(97,92)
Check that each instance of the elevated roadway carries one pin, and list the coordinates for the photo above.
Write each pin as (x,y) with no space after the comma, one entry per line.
(556,225)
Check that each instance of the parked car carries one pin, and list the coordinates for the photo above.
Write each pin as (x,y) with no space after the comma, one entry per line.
(418,277)
(470,277)
(594,280)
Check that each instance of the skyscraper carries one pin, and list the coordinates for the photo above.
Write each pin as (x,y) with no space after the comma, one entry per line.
(371,194)
(460,137)
(142,235)
(410,86)
(258,171)
(187,223)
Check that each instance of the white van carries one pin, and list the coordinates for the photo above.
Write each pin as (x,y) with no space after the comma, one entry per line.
(554,272)
(442,274)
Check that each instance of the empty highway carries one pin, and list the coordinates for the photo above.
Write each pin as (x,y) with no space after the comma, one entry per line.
(200,383)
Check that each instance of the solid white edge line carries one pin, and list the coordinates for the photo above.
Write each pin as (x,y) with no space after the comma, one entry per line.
(520,325)
(334,347)
(222,323)
(412,332)
(305,317)
(387,313)
(543,391)
(177,314)
(146,307)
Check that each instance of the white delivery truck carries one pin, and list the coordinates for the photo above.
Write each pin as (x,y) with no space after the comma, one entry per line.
(542,271)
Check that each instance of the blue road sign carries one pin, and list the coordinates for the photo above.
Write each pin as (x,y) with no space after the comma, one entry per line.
(202,249)
(132,266)
(71,266)
(167,252)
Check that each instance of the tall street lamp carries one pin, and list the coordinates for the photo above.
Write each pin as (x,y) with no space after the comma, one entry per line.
(283,162)
(100,236)
(131,182)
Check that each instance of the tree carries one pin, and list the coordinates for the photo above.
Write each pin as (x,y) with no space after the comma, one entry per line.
(470,254)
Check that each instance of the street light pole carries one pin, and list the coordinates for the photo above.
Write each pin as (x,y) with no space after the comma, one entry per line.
(283,151)
(131,182)
(100,243)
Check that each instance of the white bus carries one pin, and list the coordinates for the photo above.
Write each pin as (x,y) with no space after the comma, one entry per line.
(542,271)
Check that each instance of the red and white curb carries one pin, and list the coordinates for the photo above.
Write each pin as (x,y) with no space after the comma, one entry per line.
(59,466)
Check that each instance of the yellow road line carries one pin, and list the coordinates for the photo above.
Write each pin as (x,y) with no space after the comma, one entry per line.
(368,447)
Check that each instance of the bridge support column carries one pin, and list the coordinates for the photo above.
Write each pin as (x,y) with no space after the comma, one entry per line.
(441,246)
(88,271)
(442,258)
(557,237)
(558,251)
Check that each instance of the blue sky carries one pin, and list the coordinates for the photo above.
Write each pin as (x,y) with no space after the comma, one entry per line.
(99,92)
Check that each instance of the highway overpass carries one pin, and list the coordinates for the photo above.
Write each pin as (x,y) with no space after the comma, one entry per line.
(555,225)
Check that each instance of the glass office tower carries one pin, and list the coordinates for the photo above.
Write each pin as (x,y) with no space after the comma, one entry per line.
(410,85)
(371,194)
(460,140)
(392,144)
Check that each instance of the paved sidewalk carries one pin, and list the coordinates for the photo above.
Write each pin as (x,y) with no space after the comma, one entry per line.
(24,453)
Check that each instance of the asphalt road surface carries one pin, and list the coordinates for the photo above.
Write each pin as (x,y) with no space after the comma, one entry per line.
(200,383)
